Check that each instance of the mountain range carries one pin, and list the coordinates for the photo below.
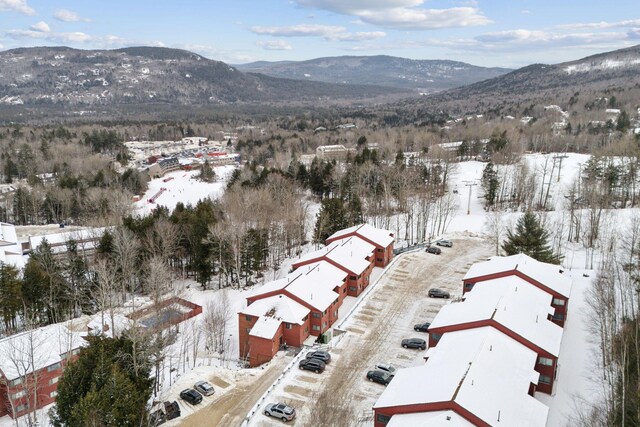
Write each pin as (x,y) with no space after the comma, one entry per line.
(424,76)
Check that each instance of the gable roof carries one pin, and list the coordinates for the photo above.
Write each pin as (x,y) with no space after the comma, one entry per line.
(379,237)
(547,274)
(351,253)
(33,350)
(482,370)
(509,301)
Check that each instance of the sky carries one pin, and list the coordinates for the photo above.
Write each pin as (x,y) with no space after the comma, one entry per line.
(504,33)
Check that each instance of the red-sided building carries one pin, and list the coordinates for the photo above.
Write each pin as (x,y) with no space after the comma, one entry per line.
(382,240)
(352,255)
(548,277)
(517,309)
(478,377)
(31,364)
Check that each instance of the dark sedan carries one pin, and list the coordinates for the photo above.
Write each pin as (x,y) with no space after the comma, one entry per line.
(320,355)
(191,396)
(421,327)
(418,343)
(379,377)
(438,293)
(312,364)
(433,250)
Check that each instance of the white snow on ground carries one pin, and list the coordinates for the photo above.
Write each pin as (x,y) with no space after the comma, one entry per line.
(183,186)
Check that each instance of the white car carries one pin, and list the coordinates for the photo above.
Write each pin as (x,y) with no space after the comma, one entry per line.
(280,410)
(204,388)
(445,243)
(385,367)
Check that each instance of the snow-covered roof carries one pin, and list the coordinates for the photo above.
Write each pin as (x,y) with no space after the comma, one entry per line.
(33,350)
(269,287)
(265,327)
(272,311)
(60,239)
(429,419)
(509,301)
(350,253)
(315,284)
(377,236)
(547,274)
(10,248)
(482,370)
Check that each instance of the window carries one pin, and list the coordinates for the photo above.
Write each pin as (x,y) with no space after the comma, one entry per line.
(53,367)
(544,379)
(468,286)
(324,325)
(53,394)
(248,330)
(316,315)
(545,361)
(380,250)
(558,316)
(23,407)
(558,301)
(306,317)
(18,394)
(384,419)
(353,278)
(379,259)
(75,351)
(15,382)
(435,336)
(353,288)
(316,327)
(248,318)
(54,380)
(288,325)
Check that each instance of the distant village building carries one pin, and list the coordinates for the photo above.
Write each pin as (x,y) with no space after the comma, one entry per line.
(332,152)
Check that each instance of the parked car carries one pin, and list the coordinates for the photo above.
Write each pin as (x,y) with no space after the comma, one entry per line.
(379,377)
(438,293)
(315,365)
(191,396)
(204,388)
(433,250)
(172,410)
(421,327)
(445,243)
(280,410)
(386,368)
(418,343)
(320,355)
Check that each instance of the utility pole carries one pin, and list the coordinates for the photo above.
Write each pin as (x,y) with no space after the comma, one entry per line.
(469,184)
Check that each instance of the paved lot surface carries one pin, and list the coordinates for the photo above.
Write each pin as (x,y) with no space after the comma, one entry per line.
(341,395)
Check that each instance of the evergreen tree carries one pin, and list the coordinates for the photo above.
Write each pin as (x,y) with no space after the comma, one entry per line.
(103,388)
(207,174)
(331,218)
(490,184)
(10,295)
(623,122)
(531,239)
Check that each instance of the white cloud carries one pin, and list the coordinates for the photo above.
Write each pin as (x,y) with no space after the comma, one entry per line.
(402,14)
(41,26)
(69,16)
(274,45)
(328,32)
(603,25)
(19,6)
(72,37)
(525,12)
(302,30)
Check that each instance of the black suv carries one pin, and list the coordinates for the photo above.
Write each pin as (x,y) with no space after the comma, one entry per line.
(191,396)
(320,355)
(421,327)
(418,343)
(379,377)
(312,364)
(438,293)
(433,250)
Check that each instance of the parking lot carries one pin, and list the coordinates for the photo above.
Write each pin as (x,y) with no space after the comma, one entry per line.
(342,395)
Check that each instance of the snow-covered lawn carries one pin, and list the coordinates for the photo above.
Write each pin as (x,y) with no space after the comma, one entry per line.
(183,186)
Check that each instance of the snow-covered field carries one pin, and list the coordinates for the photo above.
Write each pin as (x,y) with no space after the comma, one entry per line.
(182,186)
